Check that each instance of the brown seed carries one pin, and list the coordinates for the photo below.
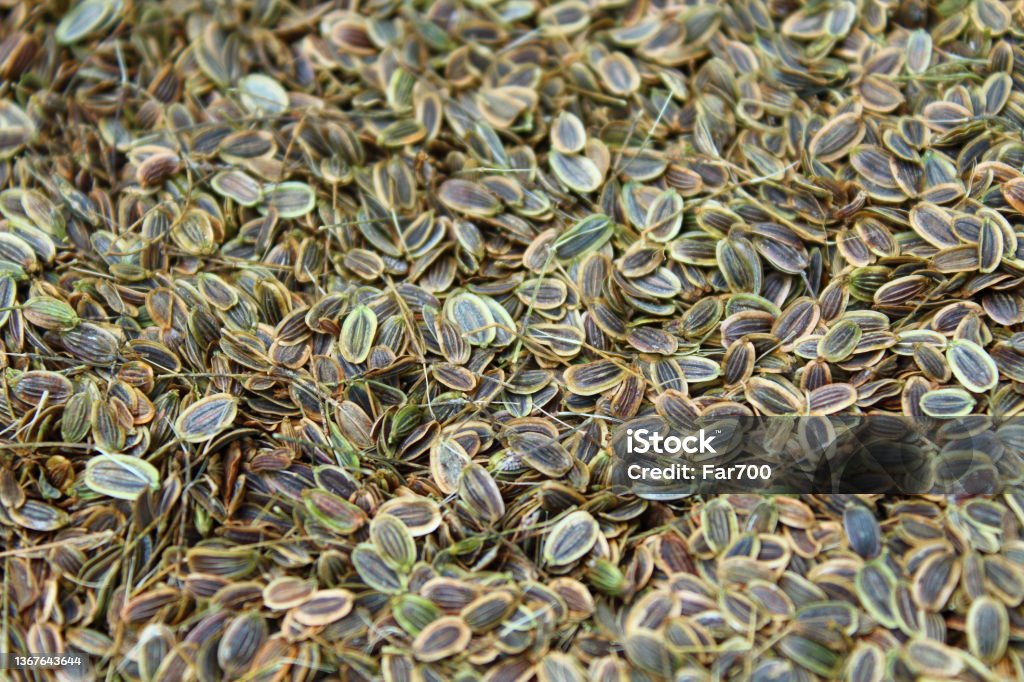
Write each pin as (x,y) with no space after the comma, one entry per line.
(323,607)
(204,419)
(444,637)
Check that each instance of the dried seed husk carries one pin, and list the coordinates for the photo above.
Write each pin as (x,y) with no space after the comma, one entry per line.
(567,133)
(570,539)
(564,18)
(646,649)
(990,246)
(241,641)
(121,476)
(837,137)
(919,51)
(323,607)
(16,129)
(480,493)
(488,611)
(334,512)
(85,18)
(414,613)
(419,514)
(402,133)
(39,516)
(260,93)
(840,341)
(36,386)
(934,658)
(810,655)
(443,638)
(206,418)
(696,369)
(357,334)
(542,453)
(286,592)
(586,236)
(593,377)
(865,664)
(947,403)
(862,531)
(50,313)
(288,199)
(91,343)
(447,460)
(471,316)
(238,186)
(230,563)
(740,265)
(144,606)
(577,172)
(972,366)
(471,198)
(375,570)
(394,541)
(831,398)
(774,396)
(719,524)
(988,629)
(935,580)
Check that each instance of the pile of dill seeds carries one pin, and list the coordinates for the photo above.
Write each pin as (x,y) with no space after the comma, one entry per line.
(317,320)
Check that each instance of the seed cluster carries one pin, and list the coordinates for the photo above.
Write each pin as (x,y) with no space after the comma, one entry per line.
(317,320)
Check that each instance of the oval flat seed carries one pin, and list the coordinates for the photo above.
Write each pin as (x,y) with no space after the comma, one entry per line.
(587,235)
(286,592)
(444,637)
(646,649)
(289,199)
(576,171)
(324,607)
(831,398)
(571,538)
(204,419)
(479,492)
(988,629)
(836,137)
(542,453)
(39,516)
(488,611)
(375,571)
(357,334)
(471,315)
(121,476)
(935,580)
(697,369)
(593,377)
(84,18)
(237,186)
(567,133)
(393,540)
(972,366)
(468,197)
(447,460)
(419,514)
(334,512)
(862,531)
(947,403)
(840,340)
